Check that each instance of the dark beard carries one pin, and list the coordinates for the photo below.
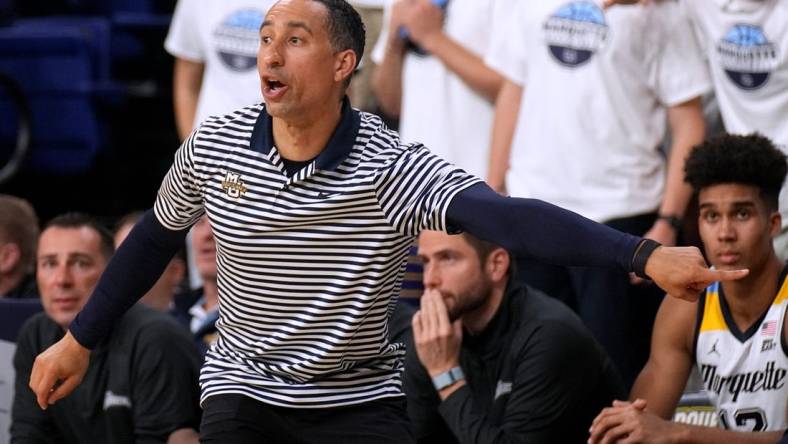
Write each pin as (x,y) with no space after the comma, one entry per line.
(469,300)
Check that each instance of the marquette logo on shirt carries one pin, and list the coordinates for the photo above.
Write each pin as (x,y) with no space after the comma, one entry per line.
(747,56)
(233,185)
(237,39)
(770,378)
(575,32)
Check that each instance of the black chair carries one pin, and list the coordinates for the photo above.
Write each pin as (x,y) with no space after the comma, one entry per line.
(14,313)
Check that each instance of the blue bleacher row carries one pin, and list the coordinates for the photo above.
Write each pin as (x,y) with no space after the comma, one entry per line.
(62,67)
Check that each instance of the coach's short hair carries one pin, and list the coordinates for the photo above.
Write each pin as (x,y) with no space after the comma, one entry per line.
(79,220)
(19,225)
(345,27)
(743,159)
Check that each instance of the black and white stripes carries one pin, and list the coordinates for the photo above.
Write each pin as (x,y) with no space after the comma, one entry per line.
(309,265)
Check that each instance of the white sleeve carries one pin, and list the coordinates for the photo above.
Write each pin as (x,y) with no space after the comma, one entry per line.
(682,73)
(691,10)
(379,51)
(507,52)
(179,202)
(183,39)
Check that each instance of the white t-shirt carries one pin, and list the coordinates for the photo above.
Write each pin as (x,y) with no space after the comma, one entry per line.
(746,43)
(438,108)
(597,85)
(224,35)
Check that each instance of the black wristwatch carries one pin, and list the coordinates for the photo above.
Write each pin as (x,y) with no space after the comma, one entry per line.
(675,222)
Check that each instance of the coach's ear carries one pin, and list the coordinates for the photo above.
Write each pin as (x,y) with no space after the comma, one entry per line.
(345,64)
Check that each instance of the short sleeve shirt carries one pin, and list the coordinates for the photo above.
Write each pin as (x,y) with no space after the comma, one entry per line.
(308,263)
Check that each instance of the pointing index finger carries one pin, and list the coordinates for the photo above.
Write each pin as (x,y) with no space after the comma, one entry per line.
(729,275)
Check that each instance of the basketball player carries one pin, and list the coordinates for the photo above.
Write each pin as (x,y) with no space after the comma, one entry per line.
(737,332)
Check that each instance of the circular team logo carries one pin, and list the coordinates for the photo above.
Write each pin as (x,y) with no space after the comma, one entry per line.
(575,32)
(747,56)
(237,39)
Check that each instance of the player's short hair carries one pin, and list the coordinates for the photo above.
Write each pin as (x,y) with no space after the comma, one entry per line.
(743,159)
(19,225)
(345,27)
(79,220)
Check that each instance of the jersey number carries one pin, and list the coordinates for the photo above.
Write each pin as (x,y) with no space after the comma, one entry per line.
(755,416)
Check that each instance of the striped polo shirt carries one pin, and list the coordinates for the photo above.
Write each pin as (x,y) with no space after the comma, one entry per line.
(310,264)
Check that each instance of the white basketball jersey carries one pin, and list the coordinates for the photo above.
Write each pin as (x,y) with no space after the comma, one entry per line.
(744,373)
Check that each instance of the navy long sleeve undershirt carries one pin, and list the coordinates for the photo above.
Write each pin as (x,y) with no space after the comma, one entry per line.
(543,231)
(523,226)
(131,272)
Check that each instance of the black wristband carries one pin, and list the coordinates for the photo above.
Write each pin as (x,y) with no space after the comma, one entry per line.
(642,253)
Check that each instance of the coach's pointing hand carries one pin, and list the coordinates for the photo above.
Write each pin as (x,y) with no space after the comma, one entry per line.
(58,370)
(682,272)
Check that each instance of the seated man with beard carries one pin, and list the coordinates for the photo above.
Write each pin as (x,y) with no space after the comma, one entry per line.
(494,361)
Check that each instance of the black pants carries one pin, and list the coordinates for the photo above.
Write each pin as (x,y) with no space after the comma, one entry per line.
(620,315)
(238,419)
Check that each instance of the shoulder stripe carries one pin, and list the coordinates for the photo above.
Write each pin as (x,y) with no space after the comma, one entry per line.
(782,295)
(712,312)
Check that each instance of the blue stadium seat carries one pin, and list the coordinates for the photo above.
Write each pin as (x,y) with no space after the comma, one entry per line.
(412,282)
(14,313)
(136,24)
(95,30)
(62,66)
(6,12)
(143,6)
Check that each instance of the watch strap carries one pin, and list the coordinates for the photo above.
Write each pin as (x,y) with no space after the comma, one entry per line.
(447,378)
(674,221)
(642,253)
